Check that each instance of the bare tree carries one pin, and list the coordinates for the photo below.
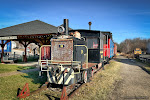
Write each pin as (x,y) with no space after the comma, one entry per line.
(128,45)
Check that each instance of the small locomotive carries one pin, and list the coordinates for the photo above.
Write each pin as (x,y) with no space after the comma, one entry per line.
(137,52)
(73,56)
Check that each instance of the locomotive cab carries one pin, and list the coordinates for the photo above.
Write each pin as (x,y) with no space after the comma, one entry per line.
(94,40)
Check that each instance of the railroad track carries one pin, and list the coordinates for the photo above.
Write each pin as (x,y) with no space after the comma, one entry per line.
(70,90)
(71,94)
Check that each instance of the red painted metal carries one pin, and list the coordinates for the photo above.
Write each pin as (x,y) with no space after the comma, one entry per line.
(109,47)
(64,95)
(106,49)
(46,53)
(95,45)
(25,92)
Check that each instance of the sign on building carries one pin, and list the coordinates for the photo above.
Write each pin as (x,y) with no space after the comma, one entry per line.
(7,47)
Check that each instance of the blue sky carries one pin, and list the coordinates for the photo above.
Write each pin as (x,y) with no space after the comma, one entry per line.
(124,18)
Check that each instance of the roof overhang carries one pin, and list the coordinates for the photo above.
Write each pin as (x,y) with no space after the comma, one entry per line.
(8,38)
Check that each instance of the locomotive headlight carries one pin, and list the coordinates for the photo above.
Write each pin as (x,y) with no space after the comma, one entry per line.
(61,29)
(61,46)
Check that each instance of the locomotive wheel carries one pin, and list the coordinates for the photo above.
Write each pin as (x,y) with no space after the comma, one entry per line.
(85,76)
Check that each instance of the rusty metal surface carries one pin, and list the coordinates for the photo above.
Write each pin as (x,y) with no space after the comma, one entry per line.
(24,92)
(64,95)
(89,65)
(62,49)
(75,91)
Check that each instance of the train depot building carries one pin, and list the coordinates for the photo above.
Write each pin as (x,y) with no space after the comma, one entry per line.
(36,31)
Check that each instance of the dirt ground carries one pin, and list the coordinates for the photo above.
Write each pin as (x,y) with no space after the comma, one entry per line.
(135,83)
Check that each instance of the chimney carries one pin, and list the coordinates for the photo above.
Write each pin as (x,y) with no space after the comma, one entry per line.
(66,26)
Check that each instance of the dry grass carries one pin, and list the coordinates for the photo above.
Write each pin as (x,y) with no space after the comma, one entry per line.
(127,55)
(45,95)
(101,85)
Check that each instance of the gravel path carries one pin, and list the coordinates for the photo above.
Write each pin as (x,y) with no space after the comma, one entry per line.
(18,72)
(135,84)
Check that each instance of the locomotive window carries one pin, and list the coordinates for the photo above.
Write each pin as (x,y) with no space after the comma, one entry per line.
(92,43)
(105,40)
(101,44)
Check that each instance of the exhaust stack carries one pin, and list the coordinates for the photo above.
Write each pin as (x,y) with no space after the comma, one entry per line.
(66,26)
(90,23)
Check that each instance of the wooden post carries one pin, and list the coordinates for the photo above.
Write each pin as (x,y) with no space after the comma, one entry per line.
(2,54)
(25,56)
(25,46)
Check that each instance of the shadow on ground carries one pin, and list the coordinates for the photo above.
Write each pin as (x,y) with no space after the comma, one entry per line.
(131,62)
(36,78)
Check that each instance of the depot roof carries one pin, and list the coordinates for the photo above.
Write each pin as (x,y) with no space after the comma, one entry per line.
(28,28)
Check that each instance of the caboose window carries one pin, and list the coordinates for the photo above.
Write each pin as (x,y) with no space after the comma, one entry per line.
(92,43)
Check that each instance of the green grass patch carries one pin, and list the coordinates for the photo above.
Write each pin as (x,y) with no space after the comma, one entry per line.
(101,85)
(9,85)
(8,68)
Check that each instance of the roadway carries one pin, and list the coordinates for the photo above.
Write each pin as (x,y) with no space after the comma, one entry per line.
(135,83)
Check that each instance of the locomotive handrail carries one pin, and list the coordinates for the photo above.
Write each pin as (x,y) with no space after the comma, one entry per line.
(86,52)
(47,63)
(59,61)
(59,65)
